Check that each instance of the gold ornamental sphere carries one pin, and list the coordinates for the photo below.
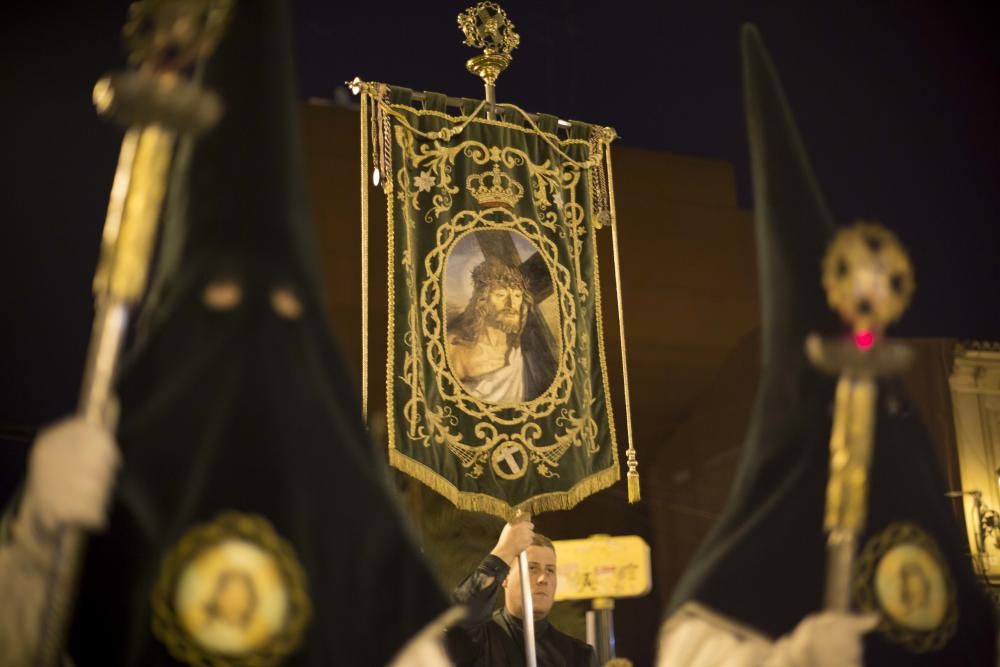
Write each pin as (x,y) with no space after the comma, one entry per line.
(487,27)
(868,277)
(174,34)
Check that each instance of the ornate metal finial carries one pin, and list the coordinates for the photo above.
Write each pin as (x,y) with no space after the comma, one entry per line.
(174,34)
(487,27)
(868,277)
(869,281)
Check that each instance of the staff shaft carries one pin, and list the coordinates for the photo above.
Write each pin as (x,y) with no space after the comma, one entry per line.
(851,442)
(527,602)
(528,614)
(127,246)
(491,101)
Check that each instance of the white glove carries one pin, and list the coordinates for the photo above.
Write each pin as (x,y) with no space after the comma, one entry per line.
(698,639)
(70,475)
(426,648)
(826,639)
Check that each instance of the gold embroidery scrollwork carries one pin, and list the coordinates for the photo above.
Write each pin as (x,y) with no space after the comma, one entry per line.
(437,409)
(437,424)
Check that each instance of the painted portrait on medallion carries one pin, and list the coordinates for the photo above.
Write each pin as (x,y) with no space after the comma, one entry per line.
(502,317)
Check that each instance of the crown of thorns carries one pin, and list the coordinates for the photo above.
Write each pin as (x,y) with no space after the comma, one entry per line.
(492,273)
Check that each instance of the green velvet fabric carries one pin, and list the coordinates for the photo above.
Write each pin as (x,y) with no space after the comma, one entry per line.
(505,194)
(248,407)
(763,564)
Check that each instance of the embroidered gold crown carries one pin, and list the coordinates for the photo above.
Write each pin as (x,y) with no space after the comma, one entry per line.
(494,188)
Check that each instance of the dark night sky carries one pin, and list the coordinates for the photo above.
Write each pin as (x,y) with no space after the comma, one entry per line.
(898,105)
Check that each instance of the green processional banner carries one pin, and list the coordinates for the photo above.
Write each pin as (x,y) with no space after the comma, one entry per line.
(497,385)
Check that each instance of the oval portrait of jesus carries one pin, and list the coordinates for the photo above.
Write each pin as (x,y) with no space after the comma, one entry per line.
(501,317)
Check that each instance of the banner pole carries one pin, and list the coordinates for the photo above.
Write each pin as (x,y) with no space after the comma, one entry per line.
(527,602)
(529,610)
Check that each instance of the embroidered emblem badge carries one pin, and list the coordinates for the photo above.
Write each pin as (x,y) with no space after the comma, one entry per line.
(231,592)
(902,575)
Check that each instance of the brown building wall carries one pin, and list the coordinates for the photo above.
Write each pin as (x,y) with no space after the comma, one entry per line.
(691,313)
(687,266)
(689,290)
(697,467)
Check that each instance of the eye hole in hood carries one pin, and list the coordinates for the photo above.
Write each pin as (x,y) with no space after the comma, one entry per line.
(222,294)
(286,303)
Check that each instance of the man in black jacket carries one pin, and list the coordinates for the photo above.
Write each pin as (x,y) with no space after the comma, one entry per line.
(497,638)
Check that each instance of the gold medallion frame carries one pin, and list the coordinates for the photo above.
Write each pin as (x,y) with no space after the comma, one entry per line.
(866,598)
(230,525)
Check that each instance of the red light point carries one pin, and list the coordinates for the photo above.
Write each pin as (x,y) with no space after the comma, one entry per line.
(864,339)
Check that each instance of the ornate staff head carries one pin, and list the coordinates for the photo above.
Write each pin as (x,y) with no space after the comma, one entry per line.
(163,38)
(487,27)
(174,34)
(868,278)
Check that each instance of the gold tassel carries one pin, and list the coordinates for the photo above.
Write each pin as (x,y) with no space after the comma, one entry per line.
(633,464)
(634,494)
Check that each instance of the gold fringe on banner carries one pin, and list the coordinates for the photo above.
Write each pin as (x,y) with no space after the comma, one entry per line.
(481,502)
(634,494)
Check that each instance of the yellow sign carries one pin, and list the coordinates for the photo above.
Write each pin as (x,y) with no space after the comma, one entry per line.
(602,566)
